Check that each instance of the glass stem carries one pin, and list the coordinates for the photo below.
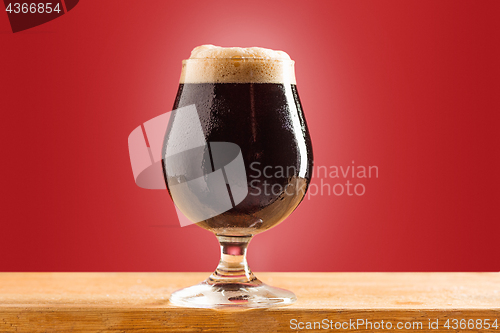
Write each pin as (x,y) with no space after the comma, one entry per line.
(233,266)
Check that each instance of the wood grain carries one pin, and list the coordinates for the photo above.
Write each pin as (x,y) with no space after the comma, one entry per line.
(127,302)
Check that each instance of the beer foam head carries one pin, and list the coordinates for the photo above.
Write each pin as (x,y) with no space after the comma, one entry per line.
(215,64)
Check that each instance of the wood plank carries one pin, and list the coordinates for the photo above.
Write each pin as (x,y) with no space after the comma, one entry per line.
(118,302)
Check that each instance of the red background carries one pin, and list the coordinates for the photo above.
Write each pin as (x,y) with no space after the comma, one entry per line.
(412,87)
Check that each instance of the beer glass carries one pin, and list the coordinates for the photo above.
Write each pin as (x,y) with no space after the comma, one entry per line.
(251,145)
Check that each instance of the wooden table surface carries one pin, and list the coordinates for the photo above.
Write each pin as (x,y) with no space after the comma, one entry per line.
(126,302)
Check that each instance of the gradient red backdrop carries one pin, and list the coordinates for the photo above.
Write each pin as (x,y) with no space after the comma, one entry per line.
(412,87)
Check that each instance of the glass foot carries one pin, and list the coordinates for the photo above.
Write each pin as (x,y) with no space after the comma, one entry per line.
(232,284)
(227,295)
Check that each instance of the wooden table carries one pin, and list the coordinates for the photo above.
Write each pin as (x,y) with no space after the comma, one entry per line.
(126,302)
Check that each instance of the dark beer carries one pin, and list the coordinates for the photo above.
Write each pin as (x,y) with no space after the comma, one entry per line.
(266,121)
